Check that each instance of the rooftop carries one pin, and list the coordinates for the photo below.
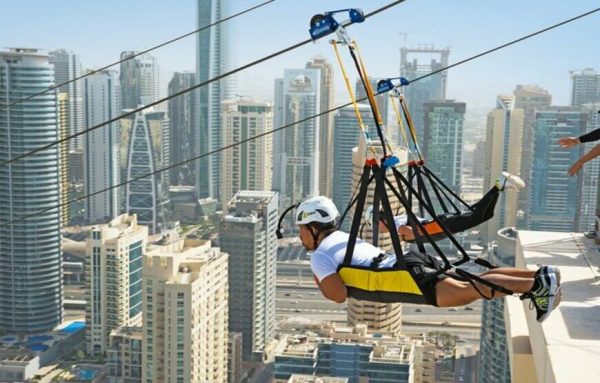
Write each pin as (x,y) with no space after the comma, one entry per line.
(566,347)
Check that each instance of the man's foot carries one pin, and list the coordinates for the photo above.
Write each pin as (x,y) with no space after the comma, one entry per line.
(549,270)
(509,181)
(545,294)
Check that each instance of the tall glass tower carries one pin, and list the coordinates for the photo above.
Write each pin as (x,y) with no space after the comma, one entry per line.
(30,250)
(212,59)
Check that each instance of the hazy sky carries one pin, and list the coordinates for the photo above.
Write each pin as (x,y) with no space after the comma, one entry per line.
(99,30)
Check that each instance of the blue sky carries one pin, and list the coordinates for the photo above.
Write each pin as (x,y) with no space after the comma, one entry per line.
(99,30)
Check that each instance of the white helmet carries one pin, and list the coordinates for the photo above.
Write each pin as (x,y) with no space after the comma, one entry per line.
(316,209)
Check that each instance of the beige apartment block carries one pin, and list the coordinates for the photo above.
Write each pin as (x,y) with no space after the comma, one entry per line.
(113,279)
(247,166)
(566,347)
(503,145)
(125,355)
(378,316)
(185,313)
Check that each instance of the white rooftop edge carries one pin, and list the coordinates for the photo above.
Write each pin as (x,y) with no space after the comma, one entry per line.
(566,347)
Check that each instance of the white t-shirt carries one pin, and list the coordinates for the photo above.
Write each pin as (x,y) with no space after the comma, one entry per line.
(325,260)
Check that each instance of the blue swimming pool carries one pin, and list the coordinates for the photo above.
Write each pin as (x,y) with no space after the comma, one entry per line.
(73,327)
(86,374)
(37,347)
(8,339)
(39,338)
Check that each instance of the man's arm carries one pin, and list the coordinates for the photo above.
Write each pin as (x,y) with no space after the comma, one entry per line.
(333,288)
(593,153)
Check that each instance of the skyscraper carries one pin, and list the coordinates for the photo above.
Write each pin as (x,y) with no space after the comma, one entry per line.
(213,57)
(139,78)
(585,87)
(529,98)
(278,136)
(555,200)
(183,128)
(148,151)
(247,166)
(63,131)
(504,135)
(325,123)
(185,313)
(443,140)
(418,62)
(590,174)
(113,279)
(247,234)
(101,146)
(67,66)
(347,135)
(30,249)
(298,164)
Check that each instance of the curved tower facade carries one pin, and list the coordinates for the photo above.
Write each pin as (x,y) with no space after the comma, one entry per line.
(30,249)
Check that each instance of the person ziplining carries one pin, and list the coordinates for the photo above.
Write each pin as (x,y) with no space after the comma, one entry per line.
(346,266)
(480,212)
(316,219)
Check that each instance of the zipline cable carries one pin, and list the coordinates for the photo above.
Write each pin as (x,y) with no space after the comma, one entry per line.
(216,78)
(274,130)
(135,55)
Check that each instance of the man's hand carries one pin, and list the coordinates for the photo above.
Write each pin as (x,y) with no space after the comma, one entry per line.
(568,142)
(575,168)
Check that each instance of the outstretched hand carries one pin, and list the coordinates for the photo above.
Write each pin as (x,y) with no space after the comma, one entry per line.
(575,168)
(568,142)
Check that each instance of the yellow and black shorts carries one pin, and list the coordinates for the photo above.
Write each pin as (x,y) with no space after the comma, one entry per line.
(394,284)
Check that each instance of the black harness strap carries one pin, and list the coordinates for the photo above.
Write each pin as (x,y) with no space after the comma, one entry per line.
(358,211)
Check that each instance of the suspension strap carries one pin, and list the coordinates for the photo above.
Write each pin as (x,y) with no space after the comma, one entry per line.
(358,211)
(361,123)
(411,126)
(400,122)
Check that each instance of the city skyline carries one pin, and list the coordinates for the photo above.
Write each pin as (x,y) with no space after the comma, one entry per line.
(511,66)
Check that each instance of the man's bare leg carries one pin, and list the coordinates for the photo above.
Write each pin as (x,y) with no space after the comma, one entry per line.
(513,272)
(451,292)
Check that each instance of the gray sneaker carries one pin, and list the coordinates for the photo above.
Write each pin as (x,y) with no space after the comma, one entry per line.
(547,297)
(546,270)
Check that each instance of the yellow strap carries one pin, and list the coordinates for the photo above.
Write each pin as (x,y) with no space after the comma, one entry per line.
(399,120)
(352,97)
(411,126)
(393,281)
(370,93)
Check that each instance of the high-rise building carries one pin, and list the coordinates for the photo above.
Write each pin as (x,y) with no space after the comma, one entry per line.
(183,128)
(30,249)
(416,62)
(504,135)
(327,99)
(185,313)
(234,357)
(139,77)
(493,350)
(585,87)
(63,147)
(113,279)
(555,200)
(589,174)
(247,234)
(443,140)
(377,316)
(247,166)
(124,357)
(148,197)
(298,164)
(529,98)
(101,146)
(67,66)
(347,135)
(278,136)
(213,57)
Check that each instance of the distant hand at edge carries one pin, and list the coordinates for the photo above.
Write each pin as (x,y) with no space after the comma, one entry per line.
(568,142)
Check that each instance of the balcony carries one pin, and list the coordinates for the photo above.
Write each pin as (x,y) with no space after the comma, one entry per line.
(566,347)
